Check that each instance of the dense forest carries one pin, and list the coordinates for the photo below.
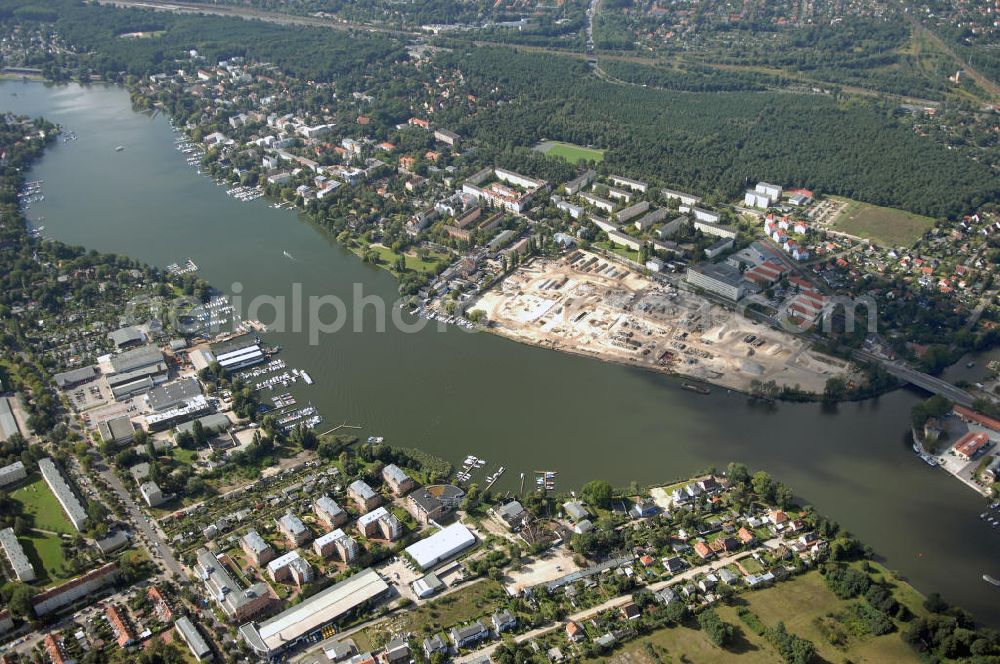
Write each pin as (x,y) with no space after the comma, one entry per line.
(310,53)
(716,143)
(689,78)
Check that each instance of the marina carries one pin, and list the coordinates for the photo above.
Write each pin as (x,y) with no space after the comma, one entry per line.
(187,268)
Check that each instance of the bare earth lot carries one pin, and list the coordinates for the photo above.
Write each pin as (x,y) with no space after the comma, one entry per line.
(609,312)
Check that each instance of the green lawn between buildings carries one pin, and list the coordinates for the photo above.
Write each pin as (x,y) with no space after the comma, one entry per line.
(46,556)
(38,501)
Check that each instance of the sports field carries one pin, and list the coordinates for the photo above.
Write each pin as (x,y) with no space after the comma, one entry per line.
(41,505)
(570,152)
(887,227)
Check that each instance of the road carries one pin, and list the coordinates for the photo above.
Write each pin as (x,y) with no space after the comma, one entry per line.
(921,380)
(986,84)
(155,540)
(621,600)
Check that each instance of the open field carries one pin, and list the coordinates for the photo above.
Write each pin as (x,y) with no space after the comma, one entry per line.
(39,503)
(884,226)
(800,603)
(570,152)
(587,305)
(46,556)
(387,258)
(458,607)
(181,455)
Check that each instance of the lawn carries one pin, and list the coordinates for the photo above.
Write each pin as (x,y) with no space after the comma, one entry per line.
(624,252)
(38,501)
(46,556)
(570,152)
(387,257)
(456,608)
(800,603)
(884,226)
(181,455)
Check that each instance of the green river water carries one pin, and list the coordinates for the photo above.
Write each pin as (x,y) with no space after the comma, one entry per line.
(454,393)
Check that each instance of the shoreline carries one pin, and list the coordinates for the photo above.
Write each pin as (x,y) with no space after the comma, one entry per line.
(801,396)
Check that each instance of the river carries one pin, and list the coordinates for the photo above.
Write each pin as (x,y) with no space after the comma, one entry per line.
(454,393)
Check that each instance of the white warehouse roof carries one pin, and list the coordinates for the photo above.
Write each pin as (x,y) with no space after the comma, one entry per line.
(441,545)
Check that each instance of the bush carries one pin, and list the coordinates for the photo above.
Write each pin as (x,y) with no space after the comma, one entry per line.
(751,620)
(716,629)
(846,582)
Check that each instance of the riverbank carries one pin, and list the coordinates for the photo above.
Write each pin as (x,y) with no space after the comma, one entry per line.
(435,389)
(584,305)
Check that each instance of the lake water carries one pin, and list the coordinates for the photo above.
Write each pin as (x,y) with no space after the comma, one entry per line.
(455,393)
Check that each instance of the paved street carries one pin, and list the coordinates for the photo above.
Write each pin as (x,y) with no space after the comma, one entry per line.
(157,544)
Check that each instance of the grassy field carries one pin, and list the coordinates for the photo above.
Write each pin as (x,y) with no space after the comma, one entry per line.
(38,501)
(800,603)
(181,455)
(570,152)
(387,258)
(624,252)
(46,556)
(885,226)
(459,607)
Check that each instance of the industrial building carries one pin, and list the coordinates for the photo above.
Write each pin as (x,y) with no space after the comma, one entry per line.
(719,278)
(173,394)
(237,353)
(307,619)
(74,377)
(63,493)
(193,407)
(441,545)
(19,562)
(427,586)
(117,430)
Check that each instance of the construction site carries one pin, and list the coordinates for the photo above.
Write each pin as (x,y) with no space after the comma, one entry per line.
(585,304)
